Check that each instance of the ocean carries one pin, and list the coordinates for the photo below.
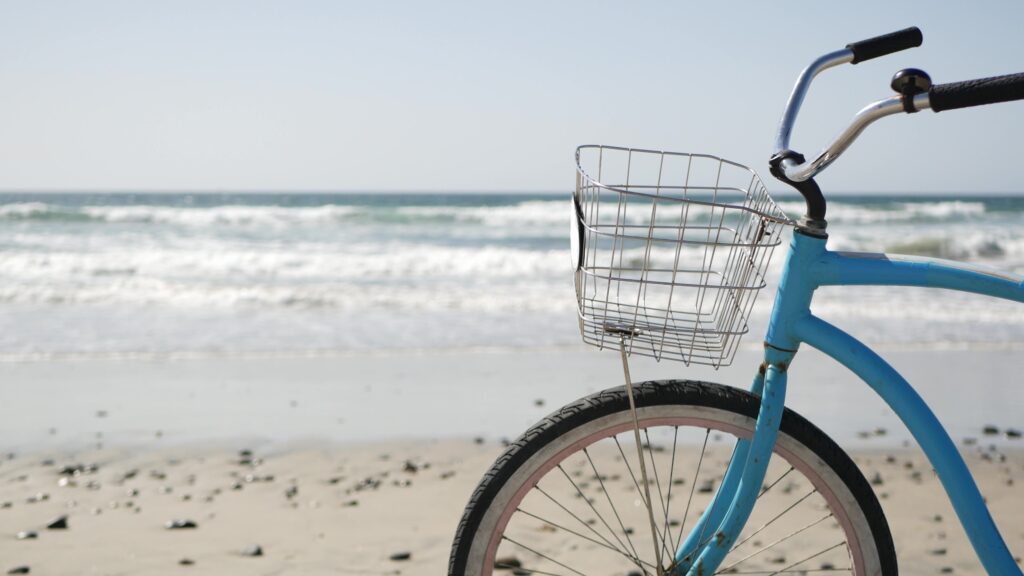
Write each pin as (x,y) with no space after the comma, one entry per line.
(165,275)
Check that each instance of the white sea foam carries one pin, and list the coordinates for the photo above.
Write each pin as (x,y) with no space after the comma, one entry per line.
(888,212)
(220,215)
(391,268)
(19,210)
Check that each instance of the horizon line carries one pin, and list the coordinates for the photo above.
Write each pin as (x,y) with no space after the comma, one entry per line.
(242,191)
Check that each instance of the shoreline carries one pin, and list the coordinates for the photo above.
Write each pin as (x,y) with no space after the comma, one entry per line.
(492,393)
(881,347)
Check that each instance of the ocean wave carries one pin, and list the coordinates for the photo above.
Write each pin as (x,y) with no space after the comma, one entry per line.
(299,263)
(219,215)
(551,214)
(913,212)
(1003,247)
(41,211)
(538,296)
(533,213)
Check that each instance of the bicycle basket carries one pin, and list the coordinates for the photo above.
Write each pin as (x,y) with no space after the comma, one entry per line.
(670,251)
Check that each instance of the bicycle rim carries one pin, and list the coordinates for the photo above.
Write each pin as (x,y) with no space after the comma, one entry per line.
(575,506)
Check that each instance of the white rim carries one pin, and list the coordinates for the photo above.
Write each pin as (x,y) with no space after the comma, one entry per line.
(840,500)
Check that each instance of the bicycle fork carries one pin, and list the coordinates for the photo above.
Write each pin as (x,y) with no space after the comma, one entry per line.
(719,526)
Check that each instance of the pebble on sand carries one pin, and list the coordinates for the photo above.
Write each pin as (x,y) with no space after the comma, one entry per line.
(19,570)
(253,551)
(186,562)
(58,523)
(507,563)
(400,556)
(180,524)
(27,535)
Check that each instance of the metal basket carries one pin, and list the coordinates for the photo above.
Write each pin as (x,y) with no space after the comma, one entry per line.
(670,251)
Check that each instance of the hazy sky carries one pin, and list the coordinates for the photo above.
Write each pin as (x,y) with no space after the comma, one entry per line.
(438,95)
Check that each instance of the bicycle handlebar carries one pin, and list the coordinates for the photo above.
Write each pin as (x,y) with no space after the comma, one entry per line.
(853,53)
(939,98)
(885,44)
(915,92)
(793,168)
(977,92)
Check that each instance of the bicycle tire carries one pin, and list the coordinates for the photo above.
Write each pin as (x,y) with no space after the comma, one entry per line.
(844,488)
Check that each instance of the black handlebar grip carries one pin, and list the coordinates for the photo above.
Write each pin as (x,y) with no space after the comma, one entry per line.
(886,44)
(976,92)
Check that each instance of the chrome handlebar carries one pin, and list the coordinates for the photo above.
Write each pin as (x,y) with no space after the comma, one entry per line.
(914,92)
(799,172)
(802,171)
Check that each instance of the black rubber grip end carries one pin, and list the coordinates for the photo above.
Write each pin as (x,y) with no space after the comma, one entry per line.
(976,92)
(886,44)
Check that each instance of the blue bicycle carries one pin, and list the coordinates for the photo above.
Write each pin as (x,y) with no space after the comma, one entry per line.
(683,477)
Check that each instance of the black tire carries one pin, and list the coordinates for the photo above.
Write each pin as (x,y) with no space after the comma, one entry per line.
(664,397)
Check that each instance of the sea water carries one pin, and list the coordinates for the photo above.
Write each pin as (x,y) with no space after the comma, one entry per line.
(113,275)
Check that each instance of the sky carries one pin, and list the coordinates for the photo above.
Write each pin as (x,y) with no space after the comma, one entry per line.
(477,96)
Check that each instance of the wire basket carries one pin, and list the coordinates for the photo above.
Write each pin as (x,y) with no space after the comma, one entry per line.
(670,251)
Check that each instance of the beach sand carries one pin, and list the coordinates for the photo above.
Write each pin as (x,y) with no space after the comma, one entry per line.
(349,510)
(336,464)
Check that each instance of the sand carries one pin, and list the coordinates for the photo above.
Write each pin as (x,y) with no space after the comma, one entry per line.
(334,465)
(349,509)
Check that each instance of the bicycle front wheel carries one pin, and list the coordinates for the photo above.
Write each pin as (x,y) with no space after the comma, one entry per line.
(566,498)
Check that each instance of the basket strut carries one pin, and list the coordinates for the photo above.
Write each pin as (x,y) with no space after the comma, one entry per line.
(623,333)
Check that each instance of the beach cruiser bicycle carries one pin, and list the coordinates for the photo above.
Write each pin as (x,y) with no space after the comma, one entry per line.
(685,477)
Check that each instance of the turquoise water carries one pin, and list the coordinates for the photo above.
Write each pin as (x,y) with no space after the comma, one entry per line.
(238,274)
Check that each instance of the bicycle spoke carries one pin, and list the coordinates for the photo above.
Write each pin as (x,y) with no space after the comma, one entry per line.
(591,504)
(587,538)
(776,543)
(800,571)
(811,557)
(777,480)
(693,486)
(777,516)
(578,519)
(608,496)
(625,460)
(545,556)
(671,477)
(666,536)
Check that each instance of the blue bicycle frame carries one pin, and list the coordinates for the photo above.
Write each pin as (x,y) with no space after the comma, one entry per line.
(810,265)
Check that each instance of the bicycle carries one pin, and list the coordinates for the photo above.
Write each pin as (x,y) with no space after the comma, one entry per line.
(669,252)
